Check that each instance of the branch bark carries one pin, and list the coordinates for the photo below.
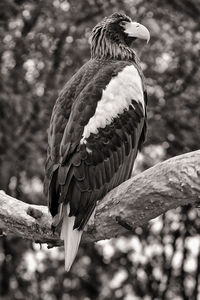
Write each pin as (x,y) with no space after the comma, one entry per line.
(167,185)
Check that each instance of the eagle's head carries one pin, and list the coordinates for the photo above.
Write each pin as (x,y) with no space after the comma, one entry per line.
(113,36)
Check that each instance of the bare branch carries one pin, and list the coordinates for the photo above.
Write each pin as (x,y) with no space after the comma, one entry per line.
(167,185)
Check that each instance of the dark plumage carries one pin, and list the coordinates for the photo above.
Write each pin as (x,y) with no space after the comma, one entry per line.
(91,150)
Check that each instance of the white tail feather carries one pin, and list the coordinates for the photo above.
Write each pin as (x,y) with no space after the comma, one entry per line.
(71,239)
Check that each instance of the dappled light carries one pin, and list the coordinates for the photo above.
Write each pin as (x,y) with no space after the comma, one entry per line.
(42,45)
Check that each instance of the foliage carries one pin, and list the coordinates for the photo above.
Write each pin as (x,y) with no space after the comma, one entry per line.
(43,44)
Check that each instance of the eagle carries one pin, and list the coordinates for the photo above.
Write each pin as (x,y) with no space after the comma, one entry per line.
(97,126)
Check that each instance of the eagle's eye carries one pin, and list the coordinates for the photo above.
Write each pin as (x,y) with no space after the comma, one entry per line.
(123,23)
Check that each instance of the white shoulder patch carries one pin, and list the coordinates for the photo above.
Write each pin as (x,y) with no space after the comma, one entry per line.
(116,98)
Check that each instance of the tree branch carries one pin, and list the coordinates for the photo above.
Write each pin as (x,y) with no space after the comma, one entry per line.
(167,185)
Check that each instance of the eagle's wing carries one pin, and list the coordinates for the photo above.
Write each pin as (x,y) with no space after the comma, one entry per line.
(99,142)
(59,119)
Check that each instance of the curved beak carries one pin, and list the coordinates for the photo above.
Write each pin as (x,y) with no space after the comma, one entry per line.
(137,30)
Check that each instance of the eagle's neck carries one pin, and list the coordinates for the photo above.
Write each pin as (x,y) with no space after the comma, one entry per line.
(104,48)
(107,50)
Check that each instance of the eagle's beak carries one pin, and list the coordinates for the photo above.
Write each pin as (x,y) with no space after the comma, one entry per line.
(137,30)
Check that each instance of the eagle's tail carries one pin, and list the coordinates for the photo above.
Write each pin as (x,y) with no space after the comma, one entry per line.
(71,239)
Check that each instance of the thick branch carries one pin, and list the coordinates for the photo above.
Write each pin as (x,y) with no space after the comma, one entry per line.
(167,185)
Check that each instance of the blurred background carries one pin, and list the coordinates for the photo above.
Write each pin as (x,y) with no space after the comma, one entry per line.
(42,44)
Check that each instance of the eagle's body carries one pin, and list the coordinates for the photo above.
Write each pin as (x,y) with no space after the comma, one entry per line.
(97,126)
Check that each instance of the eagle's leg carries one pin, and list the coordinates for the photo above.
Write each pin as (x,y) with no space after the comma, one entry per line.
(90,224)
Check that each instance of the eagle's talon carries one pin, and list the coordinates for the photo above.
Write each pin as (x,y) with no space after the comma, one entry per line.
(53,229)
(124,224)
